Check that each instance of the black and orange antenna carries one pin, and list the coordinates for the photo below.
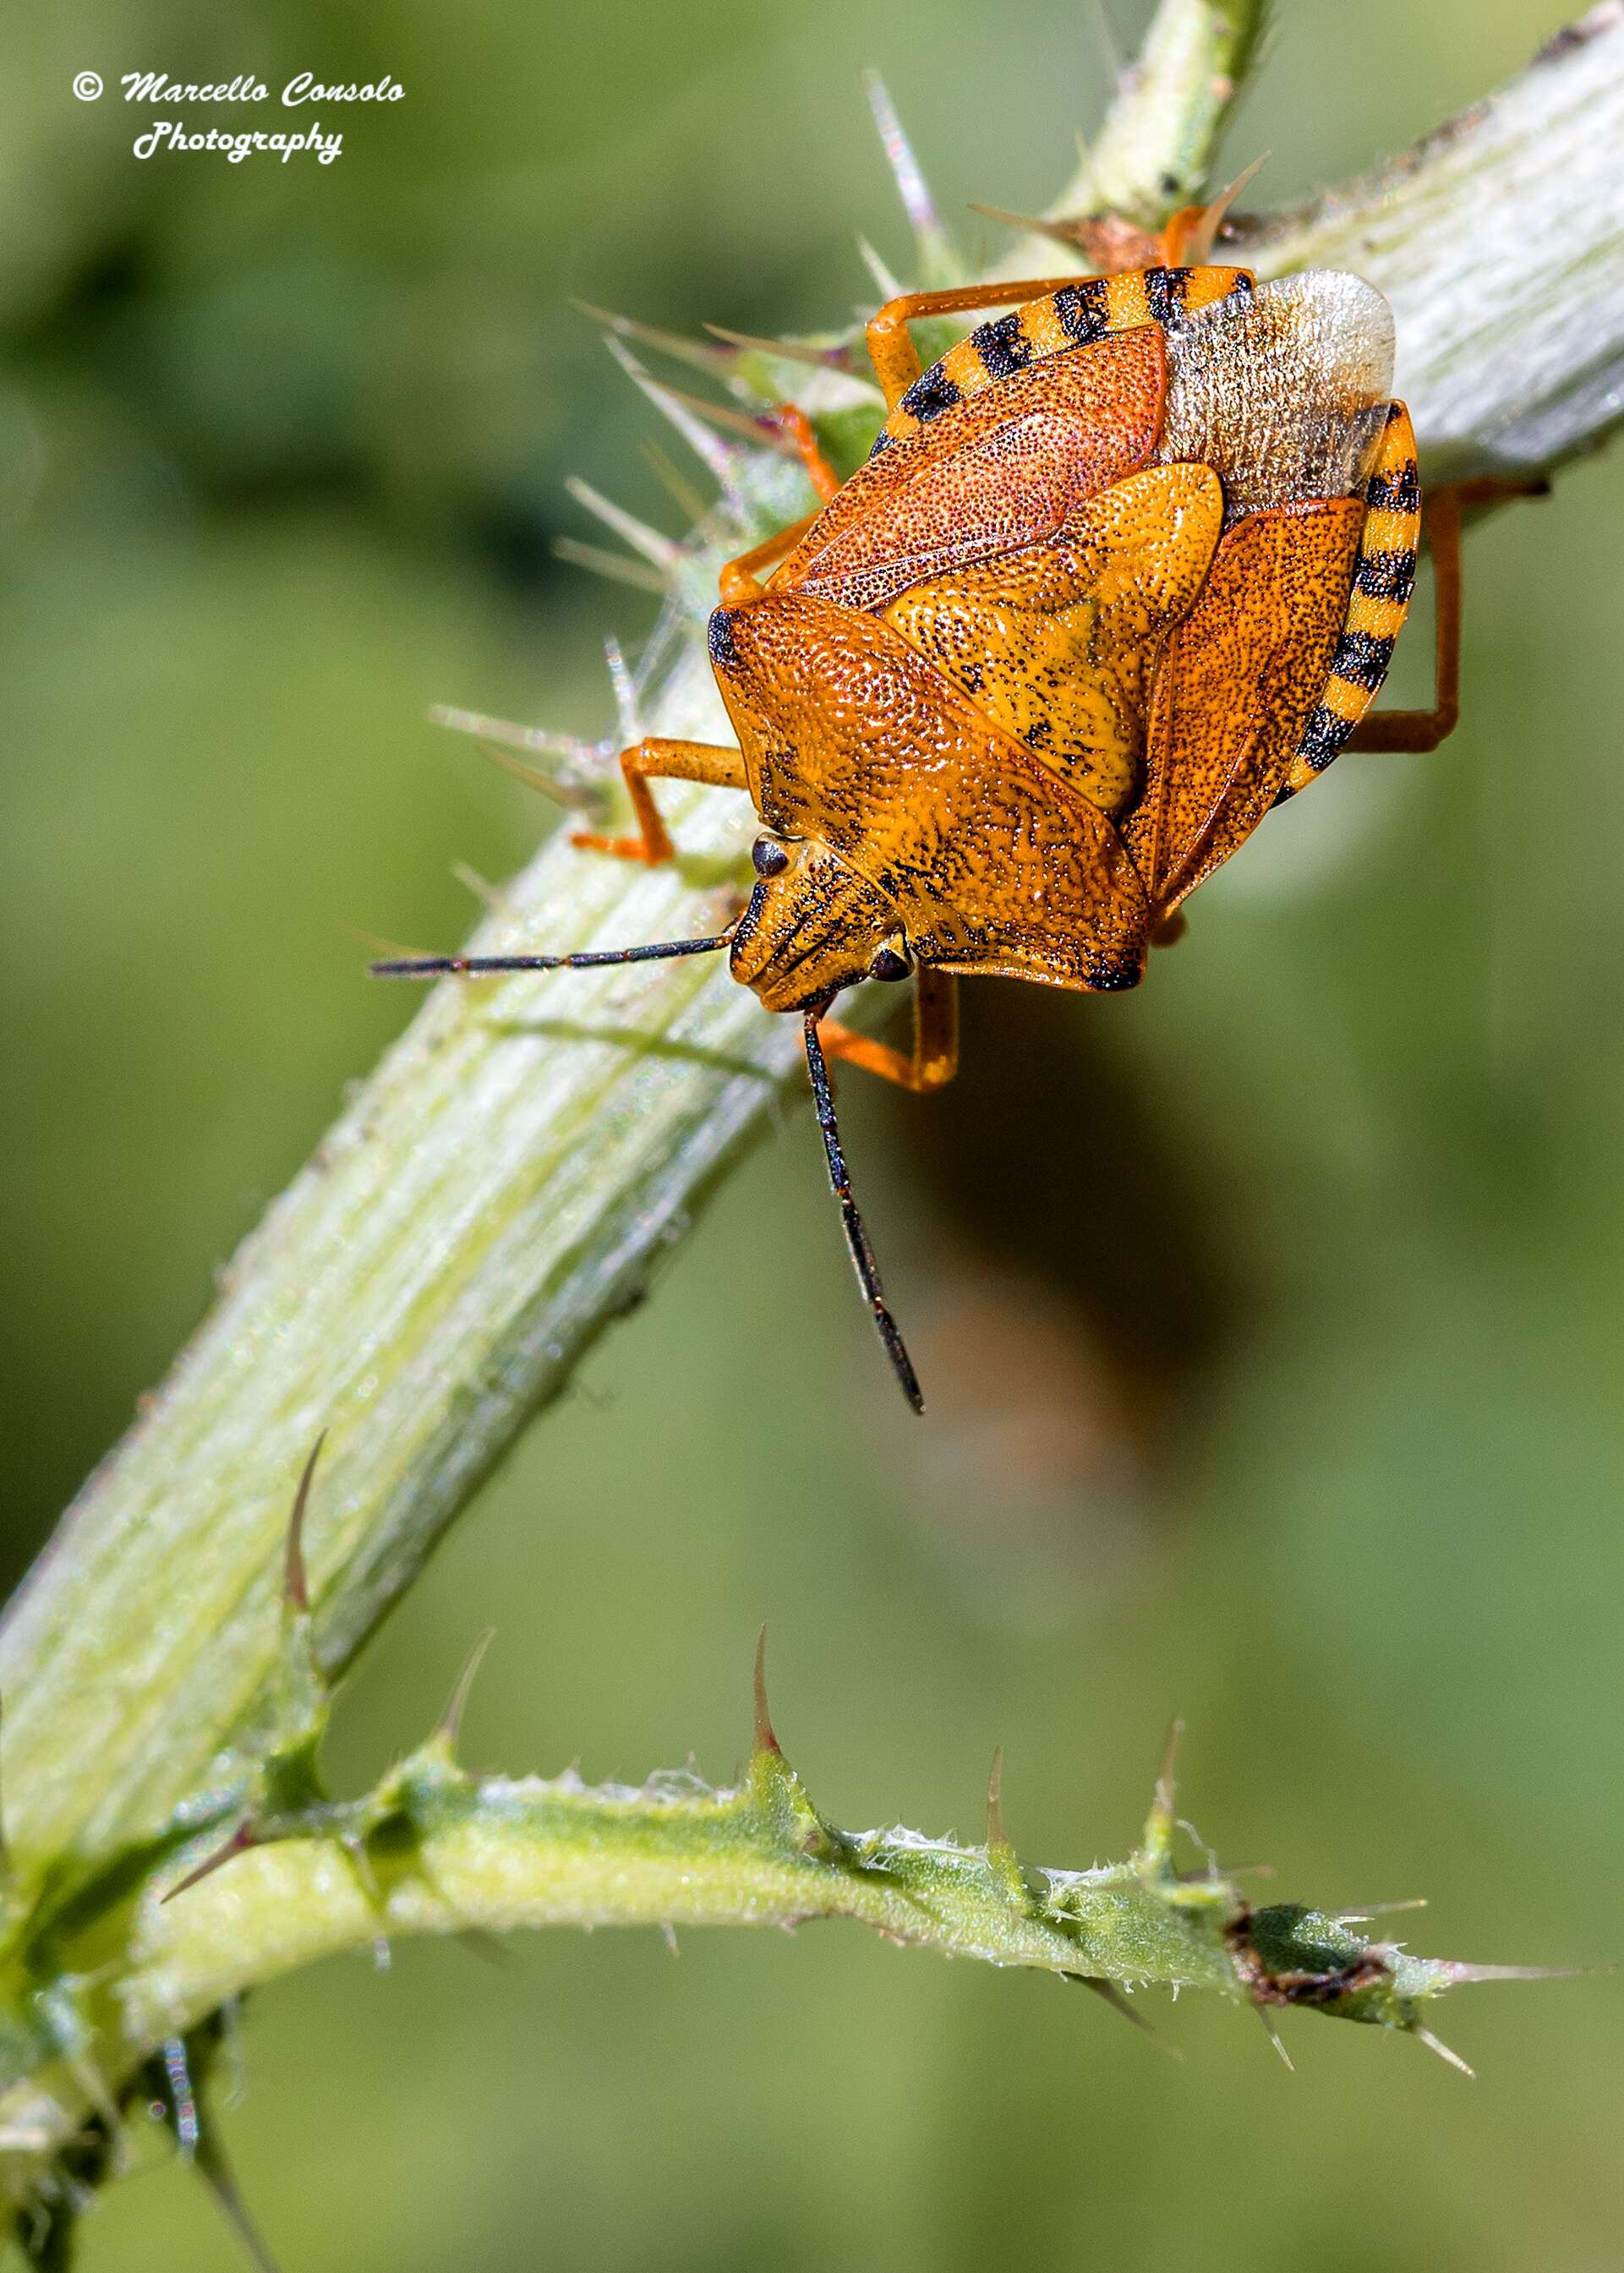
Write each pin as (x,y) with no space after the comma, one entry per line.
(481,966)
(856,1238)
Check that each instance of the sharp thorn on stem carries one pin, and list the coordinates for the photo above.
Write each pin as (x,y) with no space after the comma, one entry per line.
(360,1860)
(765,1740)
(490,896)
(628,716)
(1105,39)
(208,2160)
(1167,1782)
(676,485)
(760,427)
(233,2051)
(663,552)
(377,943)
(1461,1972)
(575,795)
(933,247)
(721,457)
(698,353)
(244,1837)
(1198,245)
(1161,1822)
(535,739)
(1109,1993)
(450,1727)
(887,281)
(295,1584)
(1275,2037)
(1062,232)
(614,567)
(1436,2045)
(834,358)
(994,1803)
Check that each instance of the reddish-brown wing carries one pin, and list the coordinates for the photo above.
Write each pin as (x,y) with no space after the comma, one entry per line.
(1236,687)
(991,476)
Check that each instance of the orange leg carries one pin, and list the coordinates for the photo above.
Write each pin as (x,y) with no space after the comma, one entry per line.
(1188,237)
(1424,729)
(892,353)
(794,423)
(658,760)
(740,579)
(1179,233)
(934,1059)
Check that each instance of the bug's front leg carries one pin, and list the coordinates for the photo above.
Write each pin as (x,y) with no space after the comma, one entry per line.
(740,579)
(893,354)
(792,421)
(657,759)
(934,1059)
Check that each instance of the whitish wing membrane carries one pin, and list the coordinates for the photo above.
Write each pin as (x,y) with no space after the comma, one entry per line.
(1282,394)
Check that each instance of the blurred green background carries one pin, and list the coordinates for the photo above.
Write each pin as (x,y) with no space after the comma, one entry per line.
(1271,1314)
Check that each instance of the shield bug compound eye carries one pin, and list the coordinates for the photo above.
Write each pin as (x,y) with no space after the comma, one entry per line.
(1123,572)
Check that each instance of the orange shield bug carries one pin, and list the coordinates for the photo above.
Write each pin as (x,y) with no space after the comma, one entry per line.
(1123,570)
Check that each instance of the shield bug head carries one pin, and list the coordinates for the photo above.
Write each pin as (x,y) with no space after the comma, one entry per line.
(813,928)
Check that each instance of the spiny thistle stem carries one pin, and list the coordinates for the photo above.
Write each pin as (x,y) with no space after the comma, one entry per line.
(1172,105)
(124,1966)
(507,1182)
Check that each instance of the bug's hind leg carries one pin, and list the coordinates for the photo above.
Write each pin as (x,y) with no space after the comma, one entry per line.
(934,1059)
(1424,729)
(1384,578)
(659,760)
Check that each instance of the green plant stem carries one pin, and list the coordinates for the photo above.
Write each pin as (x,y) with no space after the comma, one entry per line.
(1153,152)
(434,1850)
(509,1177)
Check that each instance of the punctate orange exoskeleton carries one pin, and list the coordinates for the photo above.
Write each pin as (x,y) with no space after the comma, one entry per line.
(1123,570)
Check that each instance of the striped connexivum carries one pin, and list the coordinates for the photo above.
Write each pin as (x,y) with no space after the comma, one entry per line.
(1074,316)
(1382,584)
